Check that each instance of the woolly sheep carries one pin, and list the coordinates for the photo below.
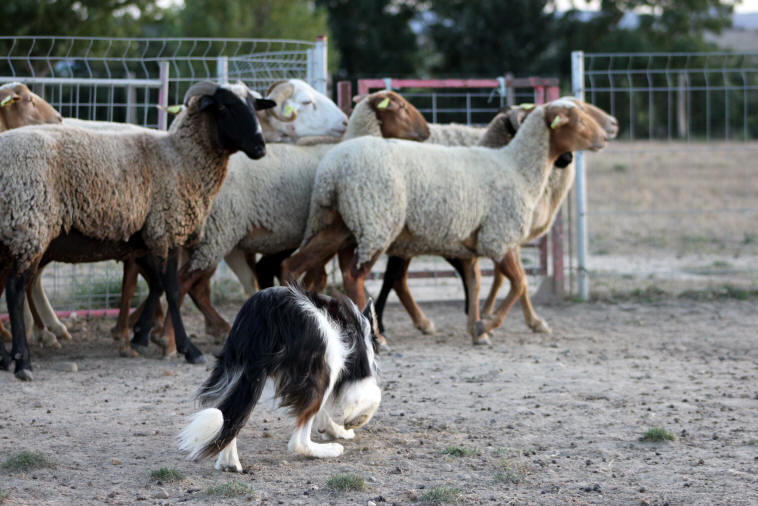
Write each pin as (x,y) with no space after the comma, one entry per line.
(373,196)
(263,207)
(310,113)
(70,194)
(499,132)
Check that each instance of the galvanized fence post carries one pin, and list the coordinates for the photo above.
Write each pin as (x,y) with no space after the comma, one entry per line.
(317,77)
(222,69)
(577,88)
(163,96)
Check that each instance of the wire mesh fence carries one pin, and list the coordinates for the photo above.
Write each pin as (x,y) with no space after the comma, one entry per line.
(122,80)
(672,202)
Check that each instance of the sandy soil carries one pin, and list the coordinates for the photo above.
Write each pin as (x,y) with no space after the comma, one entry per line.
(548,419)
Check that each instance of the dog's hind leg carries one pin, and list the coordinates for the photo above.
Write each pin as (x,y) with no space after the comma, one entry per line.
(228,460)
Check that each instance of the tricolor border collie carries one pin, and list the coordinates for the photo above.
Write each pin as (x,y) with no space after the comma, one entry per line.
(320,353)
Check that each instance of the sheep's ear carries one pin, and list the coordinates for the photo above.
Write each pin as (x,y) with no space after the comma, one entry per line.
(264,103)
(13,97)
(206,101)
(559,120)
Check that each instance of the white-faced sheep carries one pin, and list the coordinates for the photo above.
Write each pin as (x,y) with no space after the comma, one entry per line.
(499,133)
(73,195)
(263,206)
(373,196)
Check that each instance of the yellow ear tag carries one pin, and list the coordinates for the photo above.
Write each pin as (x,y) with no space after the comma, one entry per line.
(174,109)
(7,100)
(383,104)
(527,106)
(557,121)
(288,110)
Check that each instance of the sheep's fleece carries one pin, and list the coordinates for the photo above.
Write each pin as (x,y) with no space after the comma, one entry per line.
(441,195)
(107,185)
(263,206)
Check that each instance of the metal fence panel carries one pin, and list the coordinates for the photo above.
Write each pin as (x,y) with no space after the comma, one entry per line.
(672,202)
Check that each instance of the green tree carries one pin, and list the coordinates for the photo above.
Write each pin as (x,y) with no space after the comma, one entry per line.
(484,37)
(267,19)
(113,18)
(374,37)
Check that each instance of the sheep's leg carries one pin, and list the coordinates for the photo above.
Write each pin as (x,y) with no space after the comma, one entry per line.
(196,283)
(144,324)
(120,332)
(315,279)
(497,282)
(5,336)
(237,262)
(39,333)
(270,266)
(46,311)
(15,293)
(318,250)
(473,278)
(215,324)
(533,321)
(420,321)
(353,279)
(457,263)
(170,282)
(395,268)
(131,269)
(511,267)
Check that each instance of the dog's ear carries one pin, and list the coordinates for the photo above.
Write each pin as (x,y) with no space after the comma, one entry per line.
(370,314)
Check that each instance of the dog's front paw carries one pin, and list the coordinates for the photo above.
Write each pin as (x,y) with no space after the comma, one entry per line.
(326,450)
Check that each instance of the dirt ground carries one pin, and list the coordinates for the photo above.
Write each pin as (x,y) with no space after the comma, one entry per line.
(547,419)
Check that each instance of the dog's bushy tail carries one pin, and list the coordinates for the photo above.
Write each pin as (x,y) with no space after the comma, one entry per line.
(233,389)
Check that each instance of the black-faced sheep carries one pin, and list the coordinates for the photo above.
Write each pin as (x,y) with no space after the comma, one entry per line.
(67,194)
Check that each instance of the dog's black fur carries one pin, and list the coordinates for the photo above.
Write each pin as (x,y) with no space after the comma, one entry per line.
(276,335)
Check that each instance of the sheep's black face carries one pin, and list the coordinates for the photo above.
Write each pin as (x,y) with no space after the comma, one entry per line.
(238,126)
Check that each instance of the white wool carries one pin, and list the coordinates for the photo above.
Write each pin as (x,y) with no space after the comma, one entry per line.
(440,195)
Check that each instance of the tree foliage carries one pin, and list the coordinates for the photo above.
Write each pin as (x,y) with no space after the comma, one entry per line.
(112,18)
(373,36)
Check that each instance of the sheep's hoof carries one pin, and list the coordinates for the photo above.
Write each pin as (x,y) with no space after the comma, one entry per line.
(5,363)
(197,359)
(159,340)
(64,334)
(127,351)
(217,331)
(479,328)
(383,346)
(540,326)
(24,375)
(427,327)
(116,334)
(482,340)
(168,355)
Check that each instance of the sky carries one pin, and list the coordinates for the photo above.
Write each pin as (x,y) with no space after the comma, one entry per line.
(745,6)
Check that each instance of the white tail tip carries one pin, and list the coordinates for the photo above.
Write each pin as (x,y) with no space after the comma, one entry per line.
(203,428)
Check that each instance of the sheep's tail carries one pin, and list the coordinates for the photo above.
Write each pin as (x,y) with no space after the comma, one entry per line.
(234,388)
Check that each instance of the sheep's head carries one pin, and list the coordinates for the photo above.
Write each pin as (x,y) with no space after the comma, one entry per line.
(235,118)
(502,129)
(574,127)
(20,107)
(301,111)
(397,117)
